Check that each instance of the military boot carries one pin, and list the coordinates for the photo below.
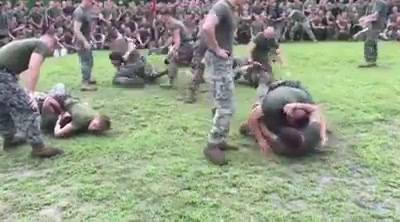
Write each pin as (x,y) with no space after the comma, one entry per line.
(46,152)
(191,98)
(169,84)
(367,65)
(215,154)
(86,86)
(225,146)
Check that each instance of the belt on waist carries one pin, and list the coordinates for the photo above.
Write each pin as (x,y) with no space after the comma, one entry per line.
(211,51)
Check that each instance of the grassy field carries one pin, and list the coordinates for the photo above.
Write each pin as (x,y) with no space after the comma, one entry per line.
(150,167)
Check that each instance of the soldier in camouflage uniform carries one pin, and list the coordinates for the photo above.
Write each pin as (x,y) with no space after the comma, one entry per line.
(198,68)
(18,108)
(134,71)
(265,48)
(218,29)
(300,21)
(265,51)
(83,29)
(376,23)
(181,52)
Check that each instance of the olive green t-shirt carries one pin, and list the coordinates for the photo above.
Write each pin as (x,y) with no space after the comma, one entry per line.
(54,12)
(36,17)
(183,32)
(298,16)
(224,31)
(81,114)
(16,55)
(263,46)
(83,15)
(274,102)
(382,9)
(312,135)
(257,26)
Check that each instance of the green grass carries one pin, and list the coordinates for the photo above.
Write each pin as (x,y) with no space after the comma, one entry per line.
(150,167)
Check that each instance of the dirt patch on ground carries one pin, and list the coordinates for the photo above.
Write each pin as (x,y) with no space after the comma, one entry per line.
(51,214)
(5,210)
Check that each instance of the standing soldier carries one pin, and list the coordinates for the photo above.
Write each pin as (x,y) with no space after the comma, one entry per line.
(218,29)
(18,108)
(82,30)
(376,23)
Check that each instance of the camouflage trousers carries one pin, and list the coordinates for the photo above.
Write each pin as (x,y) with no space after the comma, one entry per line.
(197,78)
(371,45)
(198,66)
(49,119)
(15,112)
(222,91)
(86,61)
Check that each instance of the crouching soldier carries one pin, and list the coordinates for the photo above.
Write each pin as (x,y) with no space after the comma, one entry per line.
(134,71)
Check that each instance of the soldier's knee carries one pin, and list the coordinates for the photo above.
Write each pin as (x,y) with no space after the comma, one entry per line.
(226,111)
(86,65)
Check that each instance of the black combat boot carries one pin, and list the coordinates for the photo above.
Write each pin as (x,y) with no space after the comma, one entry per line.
(215,154)
(367,65)
(191,98)
(225,146)
(46,152)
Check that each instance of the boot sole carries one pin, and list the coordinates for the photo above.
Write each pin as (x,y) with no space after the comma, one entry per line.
(209,157)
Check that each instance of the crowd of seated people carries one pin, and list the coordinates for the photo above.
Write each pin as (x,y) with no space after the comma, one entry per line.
(293,20)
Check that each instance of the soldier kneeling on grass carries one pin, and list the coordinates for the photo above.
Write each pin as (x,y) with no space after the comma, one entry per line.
(286,121)
(133,71)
